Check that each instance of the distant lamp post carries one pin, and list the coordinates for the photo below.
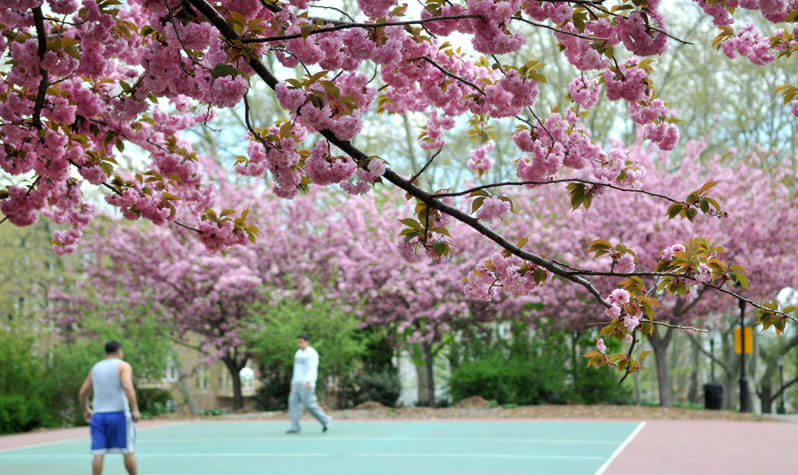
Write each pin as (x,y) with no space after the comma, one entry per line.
(780,362)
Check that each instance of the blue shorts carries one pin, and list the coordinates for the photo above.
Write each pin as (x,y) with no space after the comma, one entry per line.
(112,433)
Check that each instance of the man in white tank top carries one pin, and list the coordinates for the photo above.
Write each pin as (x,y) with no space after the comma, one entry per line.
(110,417)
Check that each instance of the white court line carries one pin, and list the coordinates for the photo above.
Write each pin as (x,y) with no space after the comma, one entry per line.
(389,439)
(620,448)
(79,437)
(319,454)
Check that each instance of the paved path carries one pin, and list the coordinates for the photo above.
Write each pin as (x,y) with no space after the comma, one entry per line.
(710,447)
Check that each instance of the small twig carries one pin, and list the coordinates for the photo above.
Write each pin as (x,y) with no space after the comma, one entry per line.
(452,75)
(266,145)
(335,9)
(629,356)
(557,30)
(555,181)
(434,155)
(346,26)
(653,322)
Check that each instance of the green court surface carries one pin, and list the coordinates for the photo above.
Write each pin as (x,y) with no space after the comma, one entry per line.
(415,448)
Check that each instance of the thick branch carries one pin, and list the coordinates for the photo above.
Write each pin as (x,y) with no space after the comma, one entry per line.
(430,200)
(41,34)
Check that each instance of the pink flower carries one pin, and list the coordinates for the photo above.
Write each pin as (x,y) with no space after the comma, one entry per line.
(601,346)
(631,322)
(619,296)
(492,208)
(479,160)
(625,264)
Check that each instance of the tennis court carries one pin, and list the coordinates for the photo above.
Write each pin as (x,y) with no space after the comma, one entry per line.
(379,447)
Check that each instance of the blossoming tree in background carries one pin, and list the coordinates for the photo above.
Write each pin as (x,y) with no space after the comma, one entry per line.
(89,81)
(762,243)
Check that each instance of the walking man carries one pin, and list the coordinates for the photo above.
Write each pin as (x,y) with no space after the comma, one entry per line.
(303,386)
(110,418)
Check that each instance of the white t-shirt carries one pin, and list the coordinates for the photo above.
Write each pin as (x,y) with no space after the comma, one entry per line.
(306,366)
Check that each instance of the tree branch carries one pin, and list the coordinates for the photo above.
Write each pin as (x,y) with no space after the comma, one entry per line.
(452,75)
(555,181)
(346,26)
(41,36)
(430,200)
(429,162)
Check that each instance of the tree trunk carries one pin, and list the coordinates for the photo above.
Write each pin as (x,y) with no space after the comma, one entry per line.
(694,393)
(660,345)
(183,387)
(235,367)
(766,397)
(429,366)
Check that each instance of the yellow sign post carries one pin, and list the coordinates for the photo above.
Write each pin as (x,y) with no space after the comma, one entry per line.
(749,341)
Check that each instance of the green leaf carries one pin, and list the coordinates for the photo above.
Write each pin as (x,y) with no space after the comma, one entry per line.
(223,69)
(411,223)
(440,248)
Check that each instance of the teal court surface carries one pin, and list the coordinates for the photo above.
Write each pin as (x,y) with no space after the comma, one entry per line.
(379,447)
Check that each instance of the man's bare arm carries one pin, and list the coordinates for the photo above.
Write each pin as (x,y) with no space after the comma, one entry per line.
(83,397)
(126,376)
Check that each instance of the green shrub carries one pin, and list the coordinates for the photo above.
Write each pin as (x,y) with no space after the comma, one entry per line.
(273,395)
(19,413)
(510,381)
(593,386)
(380,387)
(153,402)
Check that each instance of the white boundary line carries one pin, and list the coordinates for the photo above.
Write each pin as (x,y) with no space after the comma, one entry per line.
(325,454)
(333,438)
(620,448)
(87,436)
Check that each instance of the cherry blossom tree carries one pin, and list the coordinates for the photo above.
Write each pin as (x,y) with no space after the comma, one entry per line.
(760,242)
(92,81)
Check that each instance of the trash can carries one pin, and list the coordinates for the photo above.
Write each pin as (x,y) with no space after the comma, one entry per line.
(713,396)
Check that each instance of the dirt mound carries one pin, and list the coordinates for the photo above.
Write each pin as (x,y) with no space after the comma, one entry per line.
(370,405)
(473,401)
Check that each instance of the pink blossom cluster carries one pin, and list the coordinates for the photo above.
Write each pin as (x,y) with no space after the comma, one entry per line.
(638,34)
(375,8)
(559,141)
(479,160)
(703,273)
(750,43)
(775,11)
(447,27)
(493,208)
(373,170)
(579,51)
(629,82)
(513,274)
(601,346)
(324,169)
(617,299)
(281,159)
(795,108)
(433,139)
(491,33)
(624,264)
(557,12)
(584,92)
(669,252)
